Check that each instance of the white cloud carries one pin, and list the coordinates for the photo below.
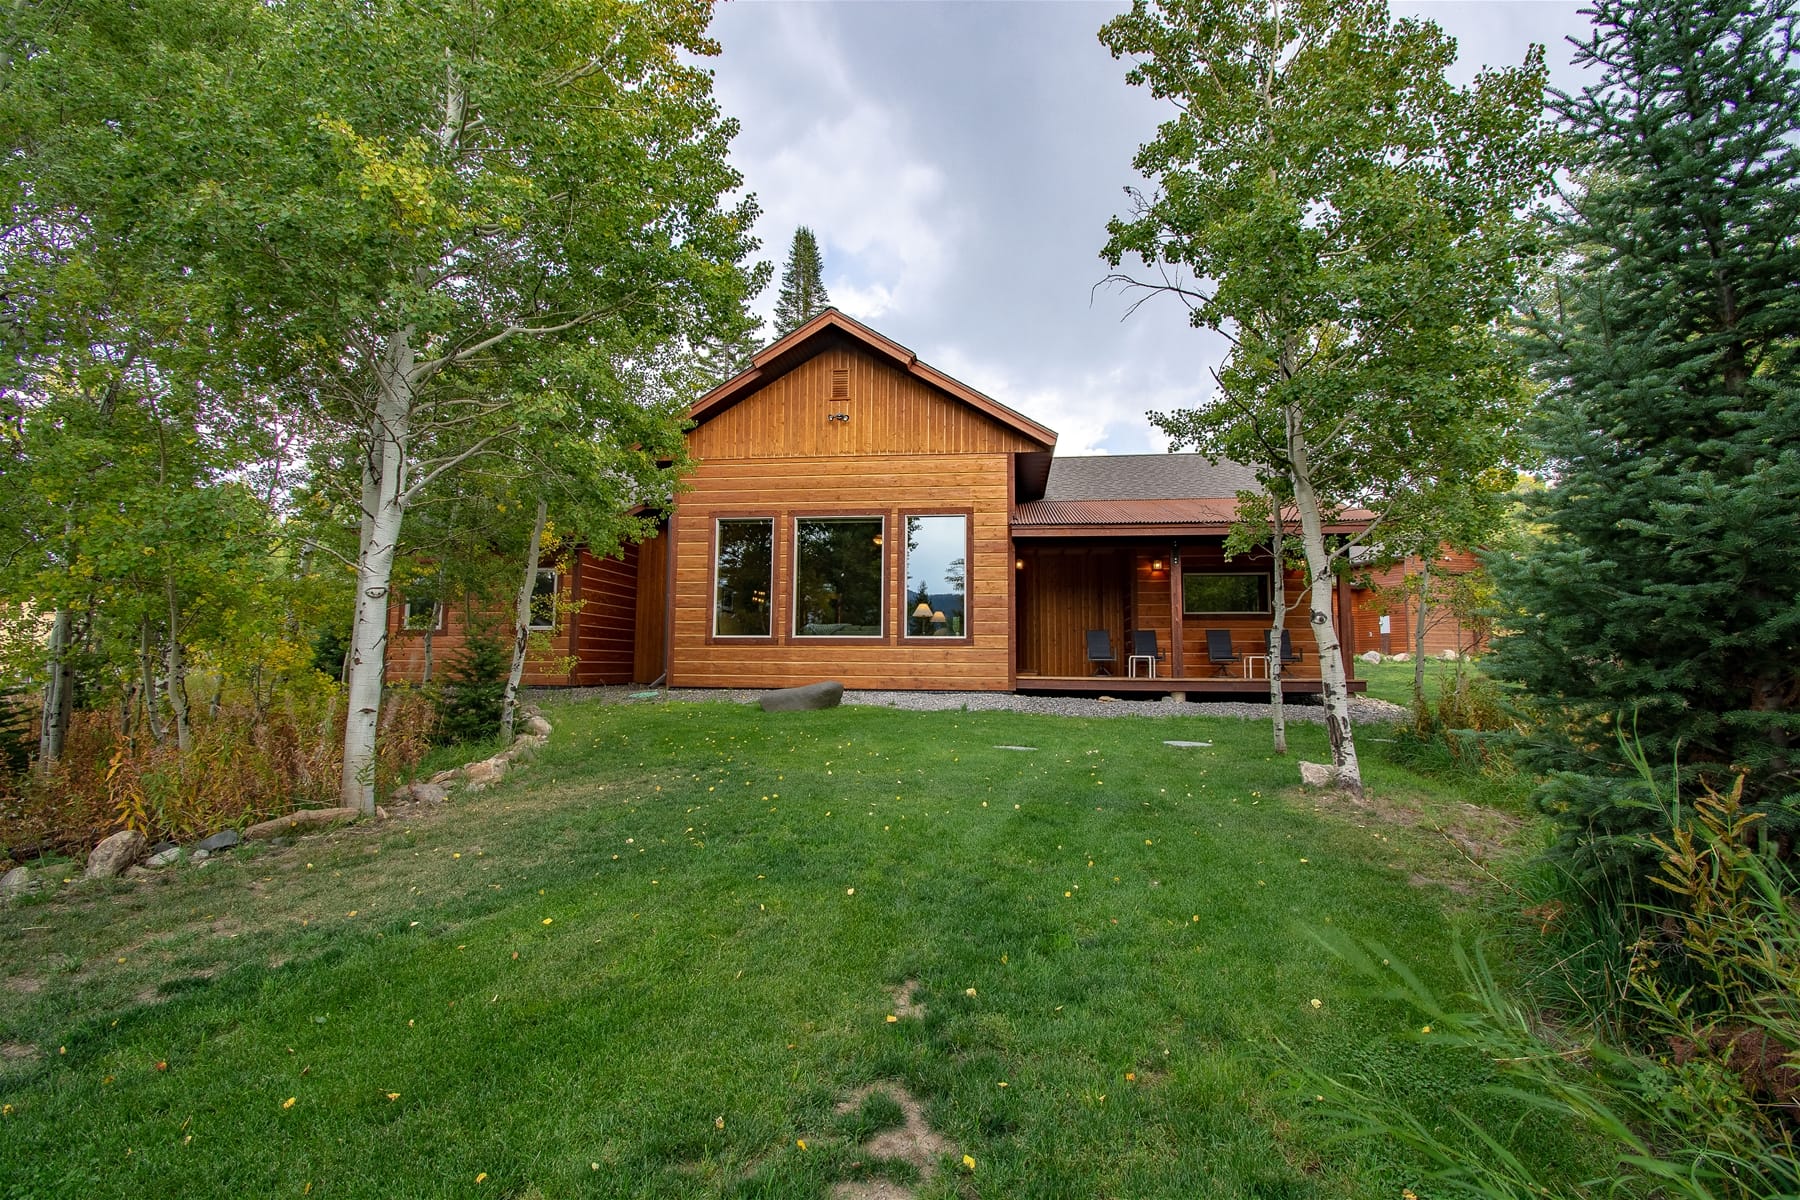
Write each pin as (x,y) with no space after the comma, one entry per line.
(845,165)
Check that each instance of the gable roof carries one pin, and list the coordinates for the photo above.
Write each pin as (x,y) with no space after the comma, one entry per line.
(832,327)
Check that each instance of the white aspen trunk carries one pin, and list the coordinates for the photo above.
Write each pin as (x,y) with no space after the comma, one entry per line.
(176,679)
(57,699)
(159,733)
(1318,564)
(509,701)
(1278,602)
(383,484)
(1419,640)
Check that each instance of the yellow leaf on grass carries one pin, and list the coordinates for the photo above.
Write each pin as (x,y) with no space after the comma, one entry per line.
(969,1161)
(481,1178)
(800,1142)
(547,920)
(393,1095)
(892,1018)
(289,1102)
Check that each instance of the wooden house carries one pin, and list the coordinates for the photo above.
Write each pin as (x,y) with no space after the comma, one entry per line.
(855,514)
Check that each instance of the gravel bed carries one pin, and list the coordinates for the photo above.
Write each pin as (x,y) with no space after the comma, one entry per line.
(1363,709)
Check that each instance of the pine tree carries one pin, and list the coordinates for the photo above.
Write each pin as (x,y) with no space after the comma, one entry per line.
(802,284)
(1661,606)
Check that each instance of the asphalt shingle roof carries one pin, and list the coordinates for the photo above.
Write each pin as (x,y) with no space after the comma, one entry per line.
(1146,477)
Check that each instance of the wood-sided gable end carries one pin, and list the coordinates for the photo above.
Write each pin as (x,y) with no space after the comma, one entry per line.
(836,421)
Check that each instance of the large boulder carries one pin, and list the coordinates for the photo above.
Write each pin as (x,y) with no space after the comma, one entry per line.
(115,853)
(829,694)
(536,725)
(15,882)
(1318,775)
(1372,657)
(304,821)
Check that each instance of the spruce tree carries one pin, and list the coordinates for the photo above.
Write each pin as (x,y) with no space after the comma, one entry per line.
(1660,607)
(802,294)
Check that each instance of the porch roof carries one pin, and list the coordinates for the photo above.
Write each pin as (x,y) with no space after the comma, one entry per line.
(1192,517)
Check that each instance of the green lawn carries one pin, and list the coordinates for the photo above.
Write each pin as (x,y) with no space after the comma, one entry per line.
(1393,681)
(658,960)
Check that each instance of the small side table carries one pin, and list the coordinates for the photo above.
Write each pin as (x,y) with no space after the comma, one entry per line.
(1149,661)
(1252,662)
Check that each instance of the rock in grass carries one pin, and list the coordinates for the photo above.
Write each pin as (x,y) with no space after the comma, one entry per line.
(420,793)
(809,696)
(164,858)
(537,725)
(485,773)
(114,854)
(15,882)
(225,839)
(1318,775)
(449,776)
(304,821)
(1372,657)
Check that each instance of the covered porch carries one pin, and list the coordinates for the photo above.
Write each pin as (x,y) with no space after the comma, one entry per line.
(1177,586)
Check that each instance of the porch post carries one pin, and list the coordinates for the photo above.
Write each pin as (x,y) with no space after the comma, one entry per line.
(1177,668)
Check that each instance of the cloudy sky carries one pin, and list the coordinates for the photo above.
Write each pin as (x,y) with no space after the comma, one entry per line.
(959,161)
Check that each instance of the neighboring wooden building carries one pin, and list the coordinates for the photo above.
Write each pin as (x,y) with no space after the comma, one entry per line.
(855,514)
(1387,619)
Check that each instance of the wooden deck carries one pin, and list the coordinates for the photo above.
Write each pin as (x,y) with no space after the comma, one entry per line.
(1120,685)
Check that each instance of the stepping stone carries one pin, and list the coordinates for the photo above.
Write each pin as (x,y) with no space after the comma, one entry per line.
(1015,747)
(1186,745)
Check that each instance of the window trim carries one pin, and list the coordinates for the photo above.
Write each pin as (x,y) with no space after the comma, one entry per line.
(712,621)
(437,617)
(794,636)
(965,637)
(1266,591)
(531,625)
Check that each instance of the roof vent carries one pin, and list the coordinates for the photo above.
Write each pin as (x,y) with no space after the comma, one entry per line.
(840,383)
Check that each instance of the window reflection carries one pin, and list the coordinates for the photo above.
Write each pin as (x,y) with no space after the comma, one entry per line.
(937,576)
(837,577)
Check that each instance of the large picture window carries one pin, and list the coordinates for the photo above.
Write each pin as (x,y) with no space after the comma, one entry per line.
(1205,594)
(937,572)
(742,577)
(837,576)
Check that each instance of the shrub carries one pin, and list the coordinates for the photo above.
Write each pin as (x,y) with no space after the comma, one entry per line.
(469,704)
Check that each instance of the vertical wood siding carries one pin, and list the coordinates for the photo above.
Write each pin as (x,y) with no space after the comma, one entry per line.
(889,413)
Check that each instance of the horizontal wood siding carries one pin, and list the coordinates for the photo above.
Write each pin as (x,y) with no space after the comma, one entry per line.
(605,627)
(406,647)
(889,413)
(1442,629)
(652,638)
(887,485)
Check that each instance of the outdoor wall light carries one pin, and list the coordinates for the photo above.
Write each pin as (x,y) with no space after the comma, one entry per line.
(1156,564)
(1018,564)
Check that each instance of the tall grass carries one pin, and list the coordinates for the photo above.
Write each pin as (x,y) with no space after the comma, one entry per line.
(1685,1053)
(247,763)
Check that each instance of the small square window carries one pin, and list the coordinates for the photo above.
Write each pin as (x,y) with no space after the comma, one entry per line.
(423,612)
(543,600)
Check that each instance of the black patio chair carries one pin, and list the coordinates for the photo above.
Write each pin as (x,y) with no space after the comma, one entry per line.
(1219,652)
(1100,651)
(1143,645)
(1289,655)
